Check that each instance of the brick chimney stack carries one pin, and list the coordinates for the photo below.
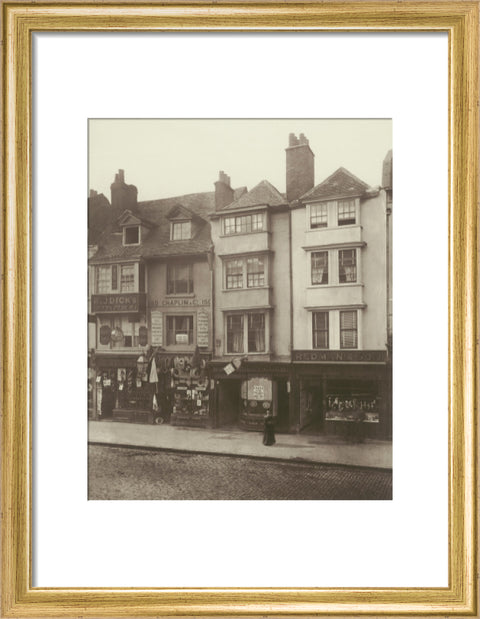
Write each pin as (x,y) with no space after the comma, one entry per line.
(300,167)
(223,192)
(123,196)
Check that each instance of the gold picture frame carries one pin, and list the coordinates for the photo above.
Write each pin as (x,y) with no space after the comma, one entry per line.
(461,21)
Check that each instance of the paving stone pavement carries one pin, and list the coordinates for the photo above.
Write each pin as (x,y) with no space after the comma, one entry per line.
(125,473)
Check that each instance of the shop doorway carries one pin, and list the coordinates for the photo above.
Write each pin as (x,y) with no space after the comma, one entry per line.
(228,403)
(315,414)
(283,408)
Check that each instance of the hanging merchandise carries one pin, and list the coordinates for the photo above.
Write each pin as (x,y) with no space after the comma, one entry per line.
(153,376)
(155,403)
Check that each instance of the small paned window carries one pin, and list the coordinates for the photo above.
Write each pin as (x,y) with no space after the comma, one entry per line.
(255,272)
(346,213)
(103,279)
(181,231)
(347,266)
(348,329)
(235,333)
(256,332)
(234,274)
(320,329)
(244,224)
(132,235)
(318,216)
(319,267)
(179,279)
(127,278)
(179,330)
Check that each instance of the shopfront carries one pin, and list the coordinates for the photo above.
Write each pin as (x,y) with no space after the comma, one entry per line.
(246,391)
(347,395)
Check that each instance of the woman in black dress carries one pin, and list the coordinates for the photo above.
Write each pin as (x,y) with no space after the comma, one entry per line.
(269,430)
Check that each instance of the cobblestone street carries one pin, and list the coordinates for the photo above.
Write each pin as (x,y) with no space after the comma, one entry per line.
(128,473)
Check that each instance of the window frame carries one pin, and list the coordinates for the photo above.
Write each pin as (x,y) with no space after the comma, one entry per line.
(251,220)
(125,232)
(347,221)
(322,218)
(326,269)
(181,223)
(353,330)
(316,330)
(341,266)
(190,283)
(190,332)
(244,278)
(246,333)
(121,288)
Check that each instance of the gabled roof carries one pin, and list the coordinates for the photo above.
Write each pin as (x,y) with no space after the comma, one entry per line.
(340,184)
(128,219)
(263,194)
(105,231)
(180,212)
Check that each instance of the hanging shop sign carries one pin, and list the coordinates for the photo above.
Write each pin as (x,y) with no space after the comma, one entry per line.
(257,388)
(142,336)
(115,303)
(156,317)
(202,329)
(105,331)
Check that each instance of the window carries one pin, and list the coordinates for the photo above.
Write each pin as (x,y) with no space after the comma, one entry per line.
(320,329)
(319,267)
(128,329)
(246,271)
(179,330)
(318,216)
(235,333)
(255,272)
(181,231)
(103,279)
(246,332)
(234,274)
(243,224)
(127,278)
(348,329)
(131,235)
(256,332)
(347,266)
(179,279)
(346,213)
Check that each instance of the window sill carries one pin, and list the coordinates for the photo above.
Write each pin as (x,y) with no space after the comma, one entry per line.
(242,289)
(320,286)
(228,236)
(337,227)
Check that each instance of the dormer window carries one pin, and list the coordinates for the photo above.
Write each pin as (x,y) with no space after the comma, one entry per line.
(131,235)
(181,230)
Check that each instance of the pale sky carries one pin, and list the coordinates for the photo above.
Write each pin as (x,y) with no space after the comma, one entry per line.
(165,158)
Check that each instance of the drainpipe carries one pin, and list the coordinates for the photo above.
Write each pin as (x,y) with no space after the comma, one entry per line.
(292,390)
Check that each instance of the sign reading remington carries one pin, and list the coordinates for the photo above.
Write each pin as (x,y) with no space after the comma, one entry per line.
(115,303)
(331,356)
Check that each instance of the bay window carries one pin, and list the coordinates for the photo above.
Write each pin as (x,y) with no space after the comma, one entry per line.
(245,272)
(244,224)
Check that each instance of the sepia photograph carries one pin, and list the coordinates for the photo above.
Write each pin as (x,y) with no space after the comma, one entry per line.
(240,309)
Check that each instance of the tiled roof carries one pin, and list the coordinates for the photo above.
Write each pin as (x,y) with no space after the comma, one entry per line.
(340,184)
(262,194)
(104,229)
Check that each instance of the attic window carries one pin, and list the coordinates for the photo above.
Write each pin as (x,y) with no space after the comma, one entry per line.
(131,235)
(181,231)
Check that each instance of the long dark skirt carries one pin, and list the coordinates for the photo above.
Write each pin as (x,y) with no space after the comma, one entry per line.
(269,433)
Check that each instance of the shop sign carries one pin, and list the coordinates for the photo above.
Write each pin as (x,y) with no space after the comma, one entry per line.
(142,336)
(257,388)
(179,302)
(157,327)
(181,338)
(202,328)
(105,331)
(115,303)
(365,356)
